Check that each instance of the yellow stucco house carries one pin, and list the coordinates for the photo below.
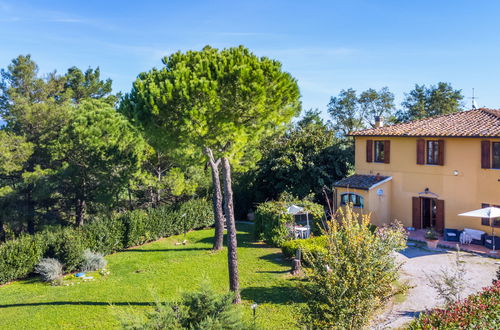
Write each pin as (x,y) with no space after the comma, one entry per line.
(425,172)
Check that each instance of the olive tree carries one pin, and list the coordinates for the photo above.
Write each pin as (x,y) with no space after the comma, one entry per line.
(214,105)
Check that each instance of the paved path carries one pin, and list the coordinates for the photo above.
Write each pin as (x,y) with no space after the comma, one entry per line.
(417,261)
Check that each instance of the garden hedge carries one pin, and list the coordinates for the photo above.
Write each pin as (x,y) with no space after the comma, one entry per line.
(18,257)
(313,245)
(272,223)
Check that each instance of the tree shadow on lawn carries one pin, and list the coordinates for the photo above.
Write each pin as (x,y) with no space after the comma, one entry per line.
(167,250)
(276,258)
(245,239)
(78,303)
(284,294)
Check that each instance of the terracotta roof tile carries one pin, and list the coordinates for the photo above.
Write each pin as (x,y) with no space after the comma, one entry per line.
(359,181)
(473,123)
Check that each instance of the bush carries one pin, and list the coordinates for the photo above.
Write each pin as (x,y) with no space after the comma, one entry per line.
(92,261)
(478,311)
(18,257)
(313,245)
(347,284)
(272,223)
(66,245)
(165,221)
(202,310)
(197,213)
(49,269)
(104,235)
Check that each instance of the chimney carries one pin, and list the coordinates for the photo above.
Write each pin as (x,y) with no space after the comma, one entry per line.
(379,121)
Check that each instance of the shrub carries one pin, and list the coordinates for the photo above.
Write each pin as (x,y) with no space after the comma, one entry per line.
(164,221)
(197,213)
(92,261)
(313,245)
(201,310)
(478,311)
(347,284)
(66,245)
(449,283)
(18,257)
(431,234)
(105,235)
(49,269)
(272,223)
(137,231)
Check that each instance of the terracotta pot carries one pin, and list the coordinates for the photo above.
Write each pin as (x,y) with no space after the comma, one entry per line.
(432,244)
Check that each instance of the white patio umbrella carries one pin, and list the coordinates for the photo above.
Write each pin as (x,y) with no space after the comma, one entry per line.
(294,209)
(487,212)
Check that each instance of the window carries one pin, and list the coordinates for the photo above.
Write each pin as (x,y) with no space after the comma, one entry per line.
(486,221)
(430,152)
(433,152)
(379,151)
(355,199)
(495,155)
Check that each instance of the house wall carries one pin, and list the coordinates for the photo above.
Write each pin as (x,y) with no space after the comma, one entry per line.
(379,207)
(464,192)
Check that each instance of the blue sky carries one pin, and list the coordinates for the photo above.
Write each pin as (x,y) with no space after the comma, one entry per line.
(326,45)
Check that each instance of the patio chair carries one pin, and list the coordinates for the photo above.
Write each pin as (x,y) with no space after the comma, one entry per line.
(452,235)
(477,236)
(488,241)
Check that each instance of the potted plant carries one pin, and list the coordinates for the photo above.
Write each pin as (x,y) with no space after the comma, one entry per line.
(432,238)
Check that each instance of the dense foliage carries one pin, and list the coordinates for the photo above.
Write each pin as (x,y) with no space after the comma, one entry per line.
(355,277)
(300,162)
(351,112)
(478,311)
(18,257)
(274,225)
(313,245)
(430,101)
(196,311)
(66,153)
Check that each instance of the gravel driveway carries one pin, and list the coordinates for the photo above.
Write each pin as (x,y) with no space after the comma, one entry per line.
(417,262)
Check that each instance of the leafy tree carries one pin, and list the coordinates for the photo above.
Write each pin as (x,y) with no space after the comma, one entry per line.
(423,102)
(351,112)
(98,154)
(307,157)
(345,113)
(35,108)
(39,109)
(376,103)
(354,277)
(220,103)
(88,85)
(14,152)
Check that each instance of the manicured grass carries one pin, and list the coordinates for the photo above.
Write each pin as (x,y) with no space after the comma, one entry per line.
(158,271)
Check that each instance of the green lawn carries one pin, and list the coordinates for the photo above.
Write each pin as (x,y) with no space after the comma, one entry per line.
(158,271)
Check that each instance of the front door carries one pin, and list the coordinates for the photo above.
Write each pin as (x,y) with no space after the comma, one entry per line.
(427,213)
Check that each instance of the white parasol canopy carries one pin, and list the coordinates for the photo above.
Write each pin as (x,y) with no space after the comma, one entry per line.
(487,212)
(294,209)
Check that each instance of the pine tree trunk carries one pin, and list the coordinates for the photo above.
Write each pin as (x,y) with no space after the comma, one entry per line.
(2,232)
(31,210)
(80,212)
(217,200)
(234,284)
